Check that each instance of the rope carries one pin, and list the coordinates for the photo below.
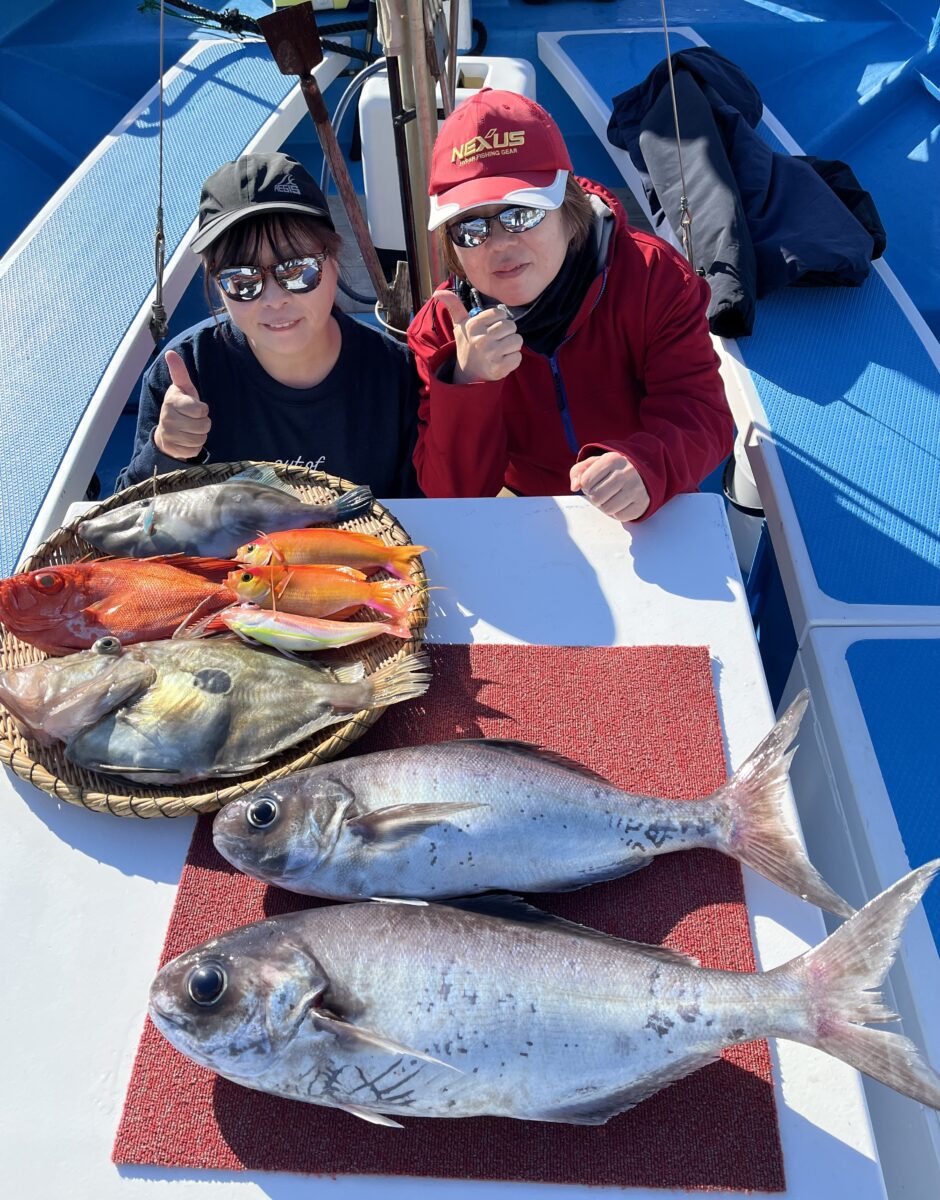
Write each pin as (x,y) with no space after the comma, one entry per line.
(158,320)
(237,24)
(685,215)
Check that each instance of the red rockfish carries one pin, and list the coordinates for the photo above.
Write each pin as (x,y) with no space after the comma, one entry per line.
(64,608)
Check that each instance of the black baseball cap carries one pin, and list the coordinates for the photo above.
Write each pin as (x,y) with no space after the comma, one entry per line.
(255,184)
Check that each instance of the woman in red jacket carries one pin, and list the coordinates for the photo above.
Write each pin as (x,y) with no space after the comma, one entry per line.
(571,351)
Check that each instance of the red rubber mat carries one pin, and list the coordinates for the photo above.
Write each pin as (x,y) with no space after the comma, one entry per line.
(644,717)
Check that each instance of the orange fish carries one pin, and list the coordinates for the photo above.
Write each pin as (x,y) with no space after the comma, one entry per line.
(329,546)
(65,608)
(315,591)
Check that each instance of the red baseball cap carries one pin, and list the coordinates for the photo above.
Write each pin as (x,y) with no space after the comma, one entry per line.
(497,146)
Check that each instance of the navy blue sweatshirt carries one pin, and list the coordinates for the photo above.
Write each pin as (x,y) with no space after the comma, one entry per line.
(359,423)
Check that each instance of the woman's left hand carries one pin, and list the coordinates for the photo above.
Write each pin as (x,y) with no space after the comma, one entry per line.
(613,484)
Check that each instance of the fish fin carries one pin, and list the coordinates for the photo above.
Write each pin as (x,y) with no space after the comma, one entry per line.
(366,1114)
(204,627)
(200,628)
(401,679)
(599,874)
(838,982)
(401,559)
(512,908)
(213,569)
(530,750)
(755,828)
(120,769)
(273,552)
(385,597)
(614,870)
(349,572)
(225,770)
(102,612)
(404,820)
(596,1107)
(353,503)
(366,1039)
(353,672)
(264,475)
(398,630)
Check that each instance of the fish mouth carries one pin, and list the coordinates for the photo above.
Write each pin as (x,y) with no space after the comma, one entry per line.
(22,611)
(242,852)
(177,1020)
(25,699)
(113,528)
(50,707)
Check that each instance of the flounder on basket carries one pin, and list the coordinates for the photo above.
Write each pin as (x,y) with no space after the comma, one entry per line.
(216,518)
(175,711)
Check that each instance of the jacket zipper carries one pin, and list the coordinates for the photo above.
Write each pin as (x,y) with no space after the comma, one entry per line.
(561,399)
(561,396)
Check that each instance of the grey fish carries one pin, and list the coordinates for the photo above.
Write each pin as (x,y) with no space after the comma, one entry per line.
(172,711)
(57,698)
(215,519)
(397,1009)
(459,818)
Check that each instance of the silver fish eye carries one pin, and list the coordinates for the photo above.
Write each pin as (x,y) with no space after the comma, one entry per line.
(107,645)
(206,984)
(262,812)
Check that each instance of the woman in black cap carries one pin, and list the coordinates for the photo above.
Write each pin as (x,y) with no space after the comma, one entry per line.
(280,374)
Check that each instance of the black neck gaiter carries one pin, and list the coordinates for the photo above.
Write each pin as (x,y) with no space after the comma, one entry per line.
(544,323)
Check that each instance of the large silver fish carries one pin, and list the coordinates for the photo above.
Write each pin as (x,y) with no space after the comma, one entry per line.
(172,711)
(394,1009)
(459,818)
(215,519)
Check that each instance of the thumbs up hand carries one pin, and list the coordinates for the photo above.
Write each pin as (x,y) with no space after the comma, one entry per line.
(488,346)
(184,420)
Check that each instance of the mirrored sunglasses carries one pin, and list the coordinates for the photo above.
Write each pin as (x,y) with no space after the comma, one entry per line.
(473,231)
(297,275)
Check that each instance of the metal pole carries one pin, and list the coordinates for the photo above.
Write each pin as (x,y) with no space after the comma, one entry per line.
(426,112)
(397,44)
(404,178)
(294,42)
(452,59)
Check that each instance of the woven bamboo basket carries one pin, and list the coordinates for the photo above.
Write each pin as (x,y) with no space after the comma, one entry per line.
(47,767)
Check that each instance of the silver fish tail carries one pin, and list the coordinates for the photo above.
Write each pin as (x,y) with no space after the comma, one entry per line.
(835,985)
(753,827)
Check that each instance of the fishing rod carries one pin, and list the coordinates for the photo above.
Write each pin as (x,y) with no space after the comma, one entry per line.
(685,213)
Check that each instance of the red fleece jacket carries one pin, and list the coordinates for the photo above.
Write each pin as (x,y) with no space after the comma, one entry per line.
(636,373)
